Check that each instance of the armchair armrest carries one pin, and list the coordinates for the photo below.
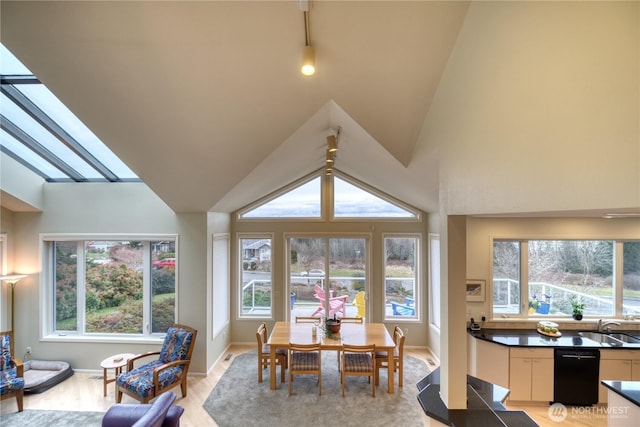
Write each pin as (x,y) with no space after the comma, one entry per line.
(131,361)
(17,363)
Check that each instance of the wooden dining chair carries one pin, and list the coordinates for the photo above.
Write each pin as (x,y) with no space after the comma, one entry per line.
(352,320)
(264,353)
(358,360)
(302,319)
(398,357)
(305,359)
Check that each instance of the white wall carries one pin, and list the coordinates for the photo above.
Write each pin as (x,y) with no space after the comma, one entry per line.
(107,208)
(538,109)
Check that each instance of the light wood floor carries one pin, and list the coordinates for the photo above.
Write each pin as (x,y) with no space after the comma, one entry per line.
(84,392)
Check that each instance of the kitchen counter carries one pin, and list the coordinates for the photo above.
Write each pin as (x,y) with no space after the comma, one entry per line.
(531,338)
(484,404)
(630,390)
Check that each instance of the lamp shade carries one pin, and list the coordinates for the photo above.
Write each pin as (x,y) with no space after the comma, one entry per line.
(308,61)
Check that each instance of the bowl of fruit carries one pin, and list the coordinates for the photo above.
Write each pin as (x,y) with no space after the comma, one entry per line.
(548,328)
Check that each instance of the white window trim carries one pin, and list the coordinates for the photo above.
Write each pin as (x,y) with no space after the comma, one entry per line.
(418,278)
(618,245)
(244,235)
(47,294)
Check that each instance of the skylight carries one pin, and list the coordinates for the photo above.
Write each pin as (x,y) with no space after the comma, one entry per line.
(42,134)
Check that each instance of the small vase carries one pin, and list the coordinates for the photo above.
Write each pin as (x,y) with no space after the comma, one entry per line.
(577,316)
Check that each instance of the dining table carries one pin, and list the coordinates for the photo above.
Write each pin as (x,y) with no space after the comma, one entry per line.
(284,333)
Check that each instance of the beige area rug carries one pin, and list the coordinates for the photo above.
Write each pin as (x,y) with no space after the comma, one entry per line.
(42,418)
(239,400)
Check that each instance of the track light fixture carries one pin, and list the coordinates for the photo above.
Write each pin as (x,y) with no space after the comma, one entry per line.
(332,152)
(309,52)
(332,143)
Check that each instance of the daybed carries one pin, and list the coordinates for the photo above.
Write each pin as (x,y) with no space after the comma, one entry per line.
(41,375)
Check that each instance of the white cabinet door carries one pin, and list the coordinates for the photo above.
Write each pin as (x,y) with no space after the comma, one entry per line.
(542,380)
(492,363)
(612,369)
(520,378)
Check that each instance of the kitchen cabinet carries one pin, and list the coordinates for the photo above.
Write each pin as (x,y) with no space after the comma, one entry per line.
(531,374)
(618,365)
(489,362)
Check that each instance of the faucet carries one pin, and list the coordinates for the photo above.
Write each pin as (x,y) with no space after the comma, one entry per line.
(602,324)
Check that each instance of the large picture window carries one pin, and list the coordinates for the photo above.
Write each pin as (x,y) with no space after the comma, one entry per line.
(98,287)
(558,272)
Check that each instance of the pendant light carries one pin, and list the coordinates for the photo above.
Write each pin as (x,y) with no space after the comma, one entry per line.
(308,53)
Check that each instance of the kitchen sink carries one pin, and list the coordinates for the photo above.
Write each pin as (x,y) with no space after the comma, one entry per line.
(601,338)
(625,338)
(614,339)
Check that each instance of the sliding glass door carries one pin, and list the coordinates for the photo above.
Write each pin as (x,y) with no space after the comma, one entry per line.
(327,276)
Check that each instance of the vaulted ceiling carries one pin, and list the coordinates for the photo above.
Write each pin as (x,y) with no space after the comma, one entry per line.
(205,102)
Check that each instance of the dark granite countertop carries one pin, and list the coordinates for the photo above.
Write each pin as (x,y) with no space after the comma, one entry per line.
(630,390)
(531,338)
(484,404)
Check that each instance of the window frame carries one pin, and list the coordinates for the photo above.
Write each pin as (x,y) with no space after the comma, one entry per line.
(417,318)
(239,272)
(523,314)
(48,331)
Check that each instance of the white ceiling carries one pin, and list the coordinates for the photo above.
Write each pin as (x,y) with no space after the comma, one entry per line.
(204,101)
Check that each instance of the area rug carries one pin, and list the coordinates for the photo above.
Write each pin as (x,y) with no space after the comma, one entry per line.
(42,418)
(240,400)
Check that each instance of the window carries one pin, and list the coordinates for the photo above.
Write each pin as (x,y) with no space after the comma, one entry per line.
(559,271)
(401,277)
(631,278)
(103,287)
(40,132)
(351,199)
(341,275)
(256,291)
(434,280)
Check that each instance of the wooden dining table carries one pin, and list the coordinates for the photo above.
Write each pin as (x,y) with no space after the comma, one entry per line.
(284,333)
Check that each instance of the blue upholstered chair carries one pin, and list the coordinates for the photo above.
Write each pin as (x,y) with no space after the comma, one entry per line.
(160,413)
(147,381)
(11,371)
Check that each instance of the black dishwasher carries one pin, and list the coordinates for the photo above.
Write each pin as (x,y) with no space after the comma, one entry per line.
(576,376)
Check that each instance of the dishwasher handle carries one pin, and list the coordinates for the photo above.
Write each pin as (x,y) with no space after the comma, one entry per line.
(577,356)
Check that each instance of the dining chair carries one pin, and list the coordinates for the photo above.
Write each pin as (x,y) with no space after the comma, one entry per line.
(398,357)
(264,353)
(358,360)
(302,319)
(11,371)
(305,359)
(352,320)
(168,370)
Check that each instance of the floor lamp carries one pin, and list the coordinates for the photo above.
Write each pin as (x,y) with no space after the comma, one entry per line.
(12,279)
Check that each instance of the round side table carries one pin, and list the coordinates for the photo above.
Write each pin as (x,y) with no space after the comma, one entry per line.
(115,362)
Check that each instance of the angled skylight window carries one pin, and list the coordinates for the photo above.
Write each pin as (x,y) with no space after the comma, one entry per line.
(302,201)
(351,201)
(38,131)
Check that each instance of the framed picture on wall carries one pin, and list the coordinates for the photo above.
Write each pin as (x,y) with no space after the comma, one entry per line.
(475,290)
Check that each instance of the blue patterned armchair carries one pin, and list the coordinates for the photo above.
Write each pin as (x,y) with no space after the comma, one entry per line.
(149,380)
(11,371)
